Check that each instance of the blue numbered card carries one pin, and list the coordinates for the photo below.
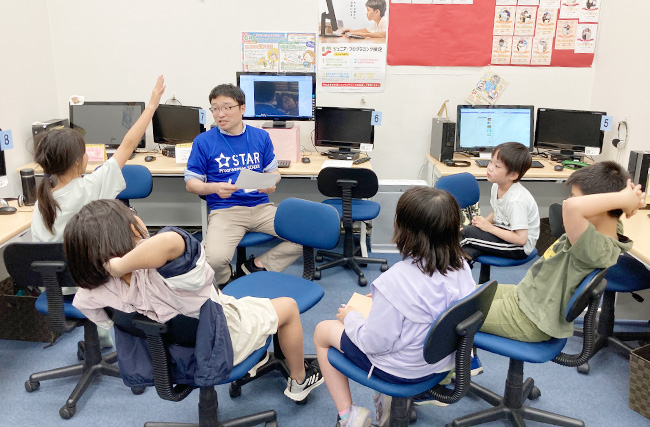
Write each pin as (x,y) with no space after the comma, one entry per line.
(375,119)
(202,116)
(606,123)
(6,140)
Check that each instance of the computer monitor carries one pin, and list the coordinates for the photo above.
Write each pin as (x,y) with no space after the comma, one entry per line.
(279,97)
(105,122)
(3,170)
(332,18)
(480,128)
(343,128)
(176,124)
(569,132)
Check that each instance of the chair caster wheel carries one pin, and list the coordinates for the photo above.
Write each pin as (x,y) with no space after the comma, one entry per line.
(317,275)
(363,281)
(319,258)
(535,393)
(137,390)
(584,368)
(302,402)
(67,412)
(32,385)
(234,391)
(271,424)
(414,416)
(81,350)
(383,267)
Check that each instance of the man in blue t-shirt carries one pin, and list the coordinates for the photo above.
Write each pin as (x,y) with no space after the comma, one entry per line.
(212,169)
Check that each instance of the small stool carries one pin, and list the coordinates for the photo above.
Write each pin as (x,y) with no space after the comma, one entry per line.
(488,260)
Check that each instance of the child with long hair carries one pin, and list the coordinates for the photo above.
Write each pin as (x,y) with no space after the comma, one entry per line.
(115,264)
(406,300)
(63,191)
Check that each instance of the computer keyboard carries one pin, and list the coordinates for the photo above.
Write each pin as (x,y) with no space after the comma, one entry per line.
(483,163)
(284,163)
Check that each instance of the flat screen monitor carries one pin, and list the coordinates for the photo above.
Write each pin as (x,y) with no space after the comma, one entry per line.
(279,97)
(480,128)
(3,170)
(176,124)
(105,122)
(569,131)
(343,128)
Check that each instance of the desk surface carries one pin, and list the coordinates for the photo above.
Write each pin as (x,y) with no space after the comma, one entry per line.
(167,166)
(14,224)
(637,228)
(545,173)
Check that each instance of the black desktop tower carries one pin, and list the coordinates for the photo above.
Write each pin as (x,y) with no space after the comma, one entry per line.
(38,127)
(638,167)
(443,139)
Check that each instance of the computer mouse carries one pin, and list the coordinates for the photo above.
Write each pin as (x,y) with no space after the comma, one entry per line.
(149,159)
(6,210)
(305,160)
(558,167)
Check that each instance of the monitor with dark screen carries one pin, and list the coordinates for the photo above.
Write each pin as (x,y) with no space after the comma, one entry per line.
(482,127)
(3,170)
(105,122)
(569,131)
(343,128)
(176,124)
(278,97)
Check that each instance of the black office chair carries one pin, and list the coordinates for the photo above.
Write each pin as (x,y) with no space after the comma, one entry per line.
(181,332)
(349,185)
(43,265)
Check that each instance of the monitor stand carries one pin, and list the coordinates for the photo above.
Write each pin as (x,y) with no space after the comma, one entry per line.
(485,155)
(278,124)
(343,154)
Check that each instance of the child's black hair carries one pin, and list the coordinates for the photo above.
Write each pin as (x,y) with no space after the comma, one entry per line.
(601,177)
(379,5)
(515,157)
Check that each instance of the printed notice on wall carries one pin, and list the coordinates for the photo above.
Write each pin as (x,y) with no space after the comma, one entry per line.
(280,52)
(586,38)
(488,89)
(351,46)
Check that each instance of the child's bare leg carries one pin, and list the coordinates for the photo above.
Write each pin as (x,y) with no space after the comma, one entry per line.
(328,334)
(290,336)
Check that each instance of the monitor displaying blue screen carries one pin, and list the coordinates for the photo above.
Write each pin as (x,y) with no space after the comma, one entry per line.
(279,96)
(481,128)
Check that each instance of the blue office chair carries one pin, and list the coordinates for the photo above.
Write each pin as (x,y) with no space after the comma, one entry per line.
(627,275)
(464,188)
(453,331)
(295,221)
(163,341)
(349,185)
(511,406)
(139,183)
(44,265)
(250,239)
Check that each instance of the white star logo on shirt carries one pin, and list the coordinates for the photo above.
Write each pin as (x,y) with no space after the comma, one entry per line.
(225,159)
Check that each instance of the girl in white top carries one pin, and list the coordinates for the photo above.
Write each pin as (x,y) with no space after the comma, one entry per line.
(63,191)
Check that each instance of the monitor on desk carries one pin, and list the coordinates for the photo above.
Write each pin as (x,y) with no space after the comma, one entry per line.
(3,170)
(343,128)
(105,122)
(176,124)
(482,127)
(569,132)
(331,17)
(278,97)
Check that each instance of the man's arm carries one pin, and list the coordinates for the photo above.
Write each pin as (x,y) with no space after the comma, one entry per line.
(271,189)
(221,189)
(151,253)
(577,210)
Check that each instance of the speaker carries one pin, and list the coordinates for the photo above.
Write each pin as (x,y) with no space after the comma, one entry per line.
(638,167)
(443,139)
(29,186)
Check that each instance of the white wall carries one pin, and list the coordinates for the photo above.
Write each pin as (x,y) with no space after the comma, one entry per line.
(114,50)
(27,80)
(621,68)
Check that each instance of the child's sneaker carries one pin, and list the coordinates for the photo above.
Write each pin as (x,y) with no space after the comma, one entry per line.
(425,398)
(476,366)
(298,392)
(358,416)
(382,408)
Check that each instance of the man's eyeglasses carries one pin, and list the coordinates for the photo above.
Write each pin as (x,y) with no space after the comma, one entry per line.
(225,109)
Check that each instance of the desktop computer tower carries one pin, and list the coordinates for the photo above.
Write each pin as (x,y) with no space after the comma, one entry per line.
(638,167)
(38,127)
(443,139)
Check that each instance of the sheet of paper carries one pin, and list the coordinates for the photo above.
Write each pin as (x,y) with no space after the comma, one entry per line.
(331,163)
(249,180)
(361,303)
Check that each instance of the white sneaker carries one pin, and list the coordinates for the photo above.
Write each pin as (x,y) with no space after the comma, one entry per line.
(358,416)
(382,409)
(298,392)
(259,364)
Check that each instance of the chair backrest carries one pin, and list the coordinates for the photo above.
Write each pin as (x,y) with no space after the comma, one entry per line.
(307,223)
(463,186)
(463,318)
(555,219)
(42,265)
(138,182)
(364,183)
(591,287)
